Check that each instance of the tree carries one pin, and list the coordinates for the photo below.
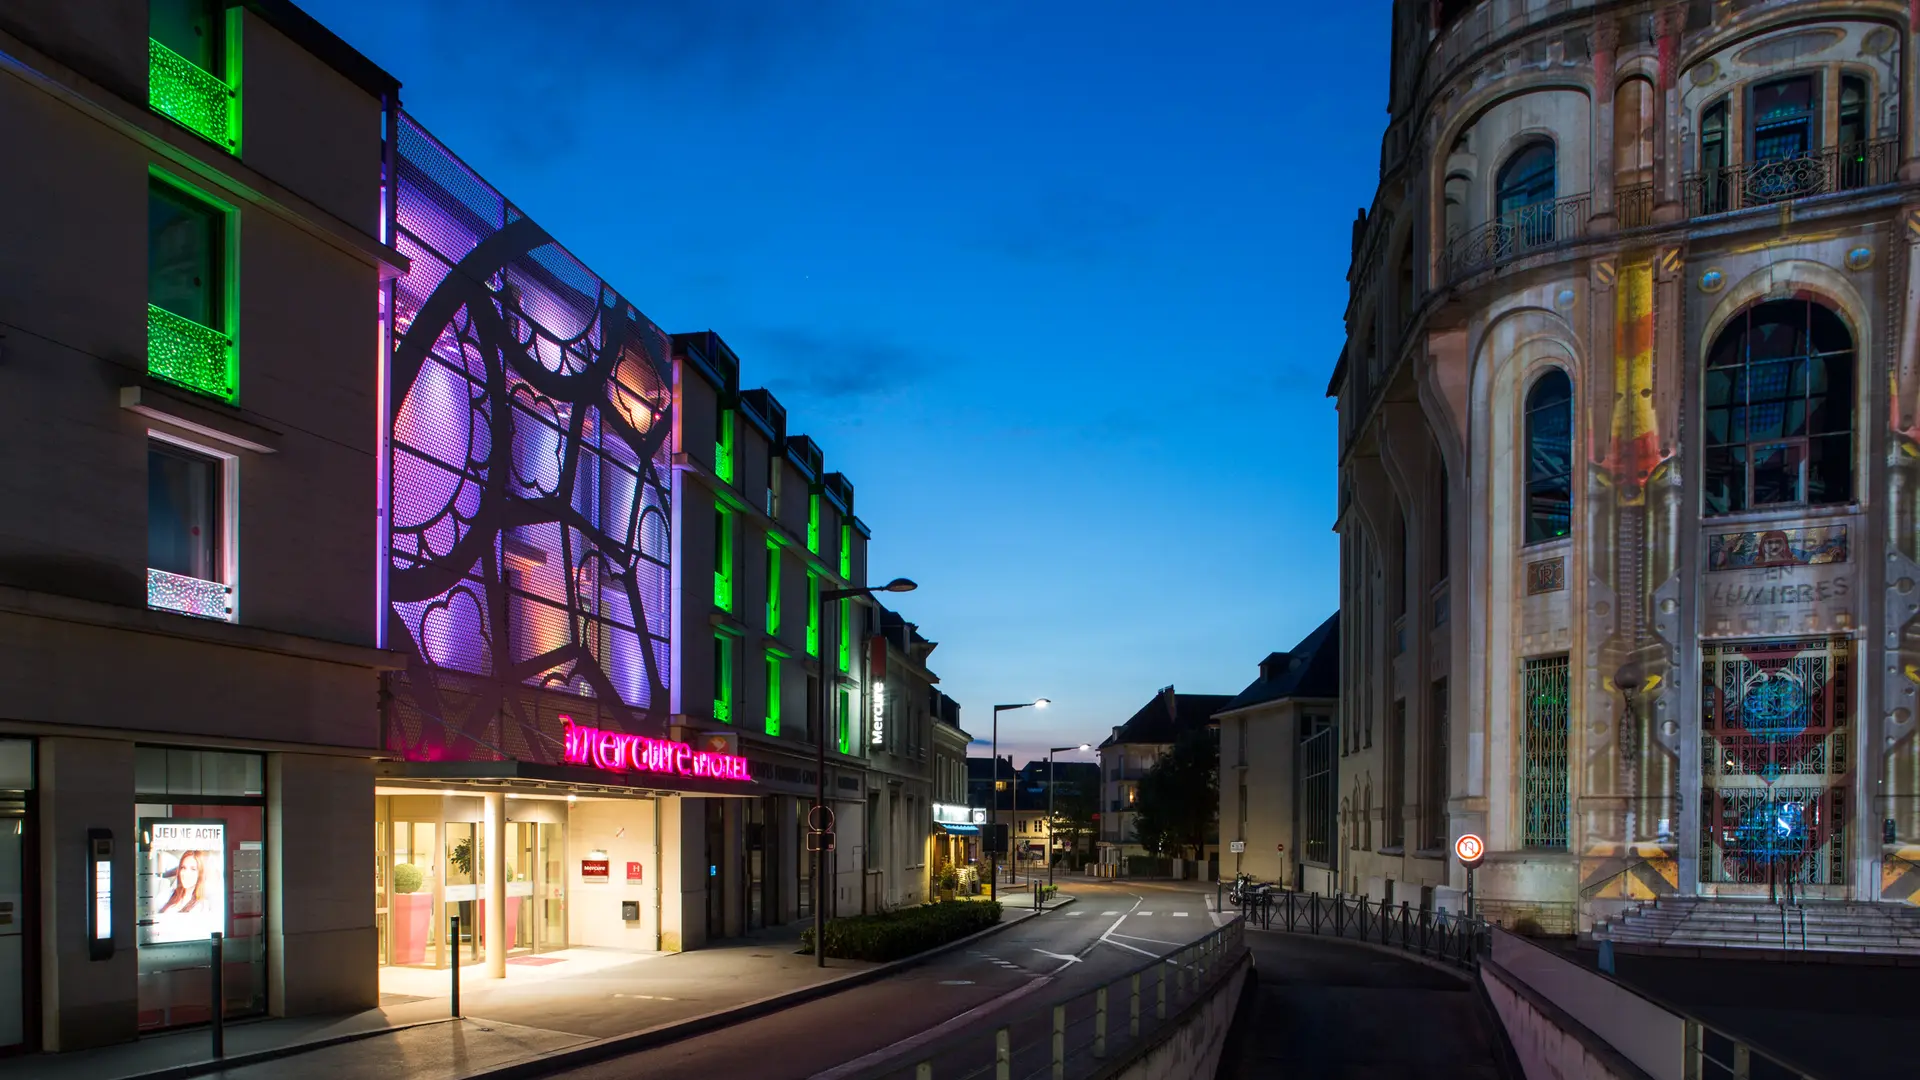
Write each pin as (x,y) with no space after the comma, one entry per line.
(1073,811)
(1180,797)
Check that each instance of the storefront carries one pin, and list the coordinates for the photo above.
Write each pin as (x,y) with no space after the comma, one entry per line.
(956,837)
(17,864)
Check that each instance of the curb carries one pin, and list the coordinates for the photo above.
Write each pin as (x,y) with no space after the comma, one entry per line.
(678,1030)
(274,1053)
(613,1046)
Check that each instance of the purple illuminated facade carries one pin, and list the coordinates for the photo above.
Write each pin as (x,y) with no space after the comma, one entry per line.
(531,407)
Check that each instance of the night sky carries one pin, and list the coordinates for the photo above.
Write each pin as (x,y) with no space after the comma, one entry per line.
(1058,285)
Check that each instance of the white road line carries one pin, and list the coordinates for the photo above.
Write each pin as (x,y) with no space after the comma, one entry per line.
(1144,913)
(1129,948)
(1109,913)
(1154,940)
(1180,914)
(914,1042)
(1070,913)
(1059,956)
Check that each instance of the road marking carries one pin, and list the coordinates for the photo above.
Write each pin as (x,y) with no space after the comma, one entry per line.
(914,1042)
(1076,913)
(1155,940)
(1129,948)
(1180,914)
(1058,956)
(956,982)
(1105,913)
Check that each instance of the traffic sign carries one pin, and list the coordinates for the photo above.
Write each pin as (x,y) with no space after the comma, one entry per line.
(819,841)
(1470,849)
(820,818)
(1279,847)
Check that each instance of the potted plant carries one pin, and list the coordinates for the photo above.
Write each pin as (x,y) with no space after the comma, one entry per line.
(948,882)
(412,914)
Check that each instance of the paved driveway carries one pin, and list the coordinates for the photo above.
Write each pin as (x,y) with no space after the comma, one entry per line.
(1334,1010)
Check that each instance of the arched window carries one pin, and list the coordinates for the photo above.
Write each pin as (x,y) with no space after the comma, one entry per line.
(1523,194)
(1779,409)
(1550,457)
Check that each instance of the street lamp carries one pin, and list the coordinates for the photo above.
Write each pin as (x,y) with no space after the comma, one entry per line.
(1083,747)
(993,815)
(817,819)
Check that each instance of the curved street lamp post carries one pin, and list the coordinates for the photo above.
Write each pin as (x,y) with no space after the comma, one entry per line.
(1050,818)
(993,818)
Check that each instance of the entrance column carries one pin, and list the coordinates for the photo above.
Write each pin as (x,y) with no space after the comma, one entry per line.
(496,894)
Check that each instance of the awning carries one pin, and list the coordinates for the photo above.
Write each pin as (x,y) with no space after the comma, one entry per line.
(965,830)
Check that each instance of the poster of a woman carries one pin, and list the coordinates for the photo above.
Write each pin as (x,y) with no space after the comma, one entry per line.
(185,895)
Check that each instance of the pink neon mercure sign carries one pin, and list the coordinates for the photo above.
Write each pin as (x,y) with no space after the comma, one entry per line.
(615,752)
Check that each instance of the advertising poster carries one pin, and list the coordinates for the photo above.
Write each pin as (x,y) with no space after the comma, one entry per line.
(186,888)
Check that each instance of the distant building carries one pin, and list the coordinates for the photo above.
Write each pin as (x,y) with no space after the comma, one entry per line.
(1131,750)
(954,837)
(1279,795)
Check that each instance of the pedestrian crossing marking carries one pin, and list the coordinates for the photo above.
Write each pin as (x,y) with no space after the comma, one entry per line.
(1109,913)
(1143,913)
(1180,914)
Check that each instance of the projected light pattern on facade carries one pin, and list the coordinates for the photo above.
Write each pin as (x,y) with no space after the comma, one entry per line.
(530,414)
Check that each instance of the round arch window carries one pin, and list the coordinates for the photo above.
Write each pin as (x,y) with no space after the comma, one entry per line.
(1779,399)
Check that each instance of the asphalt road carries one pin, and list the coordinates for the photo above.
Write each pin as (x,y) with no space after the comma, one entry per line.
(1111,929)
(1338,1010)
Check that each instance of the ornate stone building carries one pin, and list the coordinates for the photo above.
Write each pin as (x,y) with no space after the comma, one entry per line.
(1628,460)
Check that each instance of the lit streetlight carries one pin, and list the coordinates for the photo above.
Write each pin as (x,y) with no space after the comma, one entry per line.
(1083,747)
(993,816)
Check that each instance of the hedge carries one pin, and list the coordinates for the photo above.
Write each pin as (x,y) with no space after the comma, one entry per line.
(892,935)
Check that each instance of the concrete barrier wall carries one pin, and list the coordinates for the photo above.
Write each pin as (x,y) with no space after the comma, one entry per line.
(1192,1050)
(1559,1014)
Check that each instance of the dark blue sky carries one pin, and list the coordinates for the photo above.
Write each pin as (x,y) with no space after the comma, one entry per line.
(1058,285)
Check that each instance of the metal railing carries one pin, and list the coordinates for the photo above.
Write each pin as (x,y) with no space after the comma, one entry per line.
(1764,183)
(1088,1034)
(1456,939)
(1633,206)
(1517,233)
(1715,1055)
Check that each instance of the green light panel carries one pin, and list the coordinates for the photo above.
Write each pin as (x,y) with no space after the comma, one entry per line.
(813,523)
(723,524)
(773,589)
(773,693)
(723,449)
(187,354)
(722,679)
(813,614)
(197,100)
(846,635)
(846,552)
(844,734)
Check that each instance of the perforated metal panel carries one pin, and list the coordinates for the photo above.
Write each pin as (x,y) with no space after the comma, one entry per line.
(531,478)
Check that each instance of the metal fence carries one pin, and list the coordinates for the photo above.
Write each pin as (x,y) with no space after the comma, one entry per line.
(1088,1034)
(1517,233)
(1456,939)
(1775,180)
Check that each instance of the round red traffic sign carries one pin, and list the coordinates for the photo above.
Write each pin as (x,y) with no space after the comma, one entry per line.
(820,818)
(1469,848)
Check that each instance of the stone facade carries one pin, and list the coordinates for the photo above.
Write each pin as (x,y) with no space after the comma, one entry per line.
(1627,456)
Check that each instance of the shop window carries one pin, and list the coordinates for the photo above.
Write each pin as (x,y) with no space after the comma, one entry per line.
(1779,409)
(201,869)
(1549,440)
(185,526)
(189,309)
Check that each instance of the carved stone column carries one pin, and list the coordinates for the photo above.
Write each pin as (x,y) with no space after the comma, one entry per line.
(1606,44)
(1668,22)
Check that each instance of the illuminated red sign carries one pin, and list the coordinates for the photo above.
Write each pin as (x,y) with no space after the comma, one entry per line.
(615,752)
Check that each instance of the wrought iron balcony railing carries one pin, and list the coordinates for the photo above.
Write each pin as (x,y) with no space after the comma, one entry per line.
(187,354)
(195,99)
(189,595)
(1819,172)
(1633,206)
(1518,233)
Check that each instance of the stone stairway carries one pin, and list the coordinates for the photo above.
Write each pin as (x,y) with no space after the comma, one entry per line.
(1830,926)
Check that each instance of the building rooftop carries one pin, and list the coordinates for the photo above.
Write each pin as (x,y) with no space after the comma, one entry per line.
(1167,715)
(1310,669)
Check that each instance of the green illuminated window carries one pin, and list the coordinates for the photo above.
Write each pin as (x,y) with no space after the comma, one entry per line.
(813,523)
(723,524)
(846,552)
(189,296)
(846,635)
(813,614)
(773,693)
(192,68)
(842,722)
(773,589)
(722,679)
(723,448)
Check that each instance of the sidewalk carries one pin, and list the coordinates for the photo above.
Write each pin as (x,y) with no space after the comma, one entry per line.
(583,996)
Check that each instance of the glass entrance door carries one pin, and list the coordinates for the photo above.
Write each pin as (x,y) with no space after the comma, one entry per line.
(550,887)
(414,927)
(462,875)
